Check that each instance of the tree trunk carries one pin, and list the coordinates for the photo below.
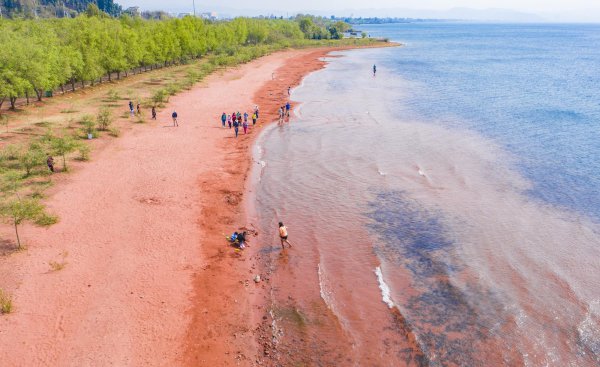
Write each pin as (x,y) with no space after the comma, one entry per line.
(2,101)
(39,93)
(64,163)
(13,101)
(62,88)
(27,97)
(109,79)
(118,75)
(73,84)
(92,82)
(17,233)
(82,83)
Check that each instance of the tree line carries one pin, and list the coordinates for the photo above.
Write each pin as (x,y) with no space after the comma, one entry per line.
(39,56)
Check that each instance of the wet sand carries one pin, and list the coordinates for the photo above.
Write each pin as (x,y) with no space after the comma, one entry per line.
(148,277)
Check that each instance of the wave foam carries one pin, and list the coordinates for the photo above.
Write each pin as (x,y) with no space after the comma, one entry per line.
(386,293)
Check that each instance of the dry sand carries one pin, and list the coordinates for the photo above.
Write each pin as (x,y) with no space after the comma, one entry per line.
(148,278)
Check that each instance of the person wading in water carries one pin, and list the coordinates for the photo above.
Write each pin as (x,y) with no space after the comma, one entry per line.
(283,235)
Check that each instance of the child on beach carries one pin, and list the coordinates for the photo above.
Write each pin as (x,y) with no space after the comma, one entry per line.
(223,118)
(283,235)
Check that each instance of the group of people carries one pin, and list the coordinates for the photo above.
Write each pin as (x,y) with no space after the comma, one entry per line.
(240,239)
(132,111)
(284,111)
(237,119)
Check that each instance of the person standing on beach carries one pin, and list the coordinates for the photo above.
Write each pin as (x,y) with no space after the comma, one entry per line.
(153,113)
(236,127)
(287,109)
(254,117)
(280,112)
(256,110)
(174,116)
(289,91)
(374,69)
(139,111)
(229,120)
(223,118)
(50,163)
(283,235)
(245,126)
(245,117)
(131,108)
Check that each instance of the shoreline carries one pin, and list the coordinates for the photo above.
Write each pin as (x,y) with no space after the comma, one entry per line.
(247,340)
(133,281)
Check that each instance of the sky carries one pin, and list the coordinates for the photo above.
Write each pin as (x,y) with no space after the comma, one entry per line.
(552,10)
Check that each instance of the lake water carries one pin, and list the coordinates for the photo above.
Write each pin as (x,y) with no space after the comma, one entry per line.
(445,211)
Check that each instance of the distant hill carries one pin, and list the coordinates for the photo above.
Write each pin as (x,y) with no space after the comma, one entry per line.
(54,8)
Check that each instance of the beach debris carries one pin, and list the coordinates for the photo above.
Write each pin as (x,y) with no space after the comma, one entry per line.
(257,278)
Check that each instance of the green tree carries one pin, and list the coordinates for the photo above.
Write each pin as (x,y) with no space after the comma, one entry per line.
(62,146)
(31,158)
(104,119)
(17,211)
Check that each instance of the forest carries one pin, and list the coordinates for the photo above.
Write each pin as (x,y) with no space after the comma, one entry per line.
(54,8)
(38,56)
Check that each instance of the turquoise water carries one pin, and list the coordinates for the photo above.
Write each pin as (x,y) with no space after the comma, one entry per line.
(445,211)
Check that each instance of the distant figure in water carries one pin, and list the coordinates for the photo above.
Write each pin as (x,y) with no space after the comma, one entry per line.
(283,235)
(174,116)
(153,113)
(374,70)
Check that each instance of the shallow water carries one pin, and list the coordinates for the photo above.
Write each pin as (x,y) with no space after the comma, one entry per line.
(446,211)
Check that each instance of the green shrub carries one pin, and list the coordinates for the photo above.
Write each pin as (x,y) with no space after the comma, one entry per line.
(104,119)
(84,152)
(5,303)
(114,132)
(46,220)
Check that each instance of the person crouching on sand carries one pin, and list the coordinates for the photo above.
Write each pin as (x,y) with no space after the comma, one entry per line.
(50,163)
(283,235)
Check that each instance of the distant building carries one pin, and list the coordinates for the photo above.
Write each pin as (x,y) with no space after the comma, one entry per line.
(209,15)
(134,11)
(183,15)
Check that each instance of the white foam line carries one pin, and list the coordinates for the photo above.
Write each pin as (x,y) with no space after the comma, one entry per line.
(385,289)
(324,294)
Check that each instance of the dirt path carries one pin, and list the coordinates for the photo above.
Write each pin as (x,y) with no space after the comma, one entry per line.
(147,278)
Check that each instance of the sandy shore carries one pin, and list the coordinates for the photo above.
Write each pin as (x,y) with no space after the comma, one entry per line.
(148,278)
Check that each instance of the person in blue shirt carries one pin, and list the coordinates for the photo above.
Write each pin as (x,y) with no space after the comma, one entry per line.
(174,116)
(287,109)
